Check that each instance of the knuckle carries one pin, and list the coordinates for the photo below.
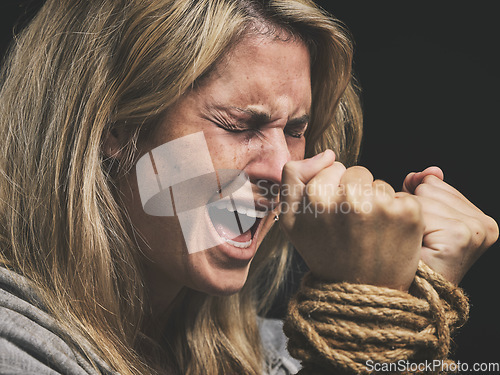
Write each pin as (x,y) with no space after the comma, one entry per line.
(491,227)
(358,171)
(339,166)
(431,180)
(382,189)
(312,196)
(408,210)
(477,231)
(381,184)
(462,234)
(290,169)
(423,190)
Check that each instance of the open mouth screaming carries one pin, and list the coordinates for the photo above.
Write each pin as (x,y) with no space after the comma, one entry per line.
(235,221)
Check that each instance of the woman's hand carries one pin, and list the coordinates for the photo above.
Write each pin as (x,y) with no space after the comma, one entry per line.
(456,232)
(347,226)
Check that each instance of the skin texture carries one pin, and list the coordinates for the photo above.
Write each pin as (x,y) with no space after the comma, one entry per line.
(456,232)
(362,231)
(369,234)
(271,79)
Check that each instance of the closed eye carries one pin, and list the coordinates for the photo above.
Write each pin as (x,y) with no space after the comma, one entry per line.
(296,131)
(297,127)
(296,134)
(223,122)
(251,121)
(230,127)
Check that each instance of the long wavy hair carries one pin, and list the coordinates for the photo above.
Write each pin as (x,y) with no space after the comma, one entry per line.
(84,67)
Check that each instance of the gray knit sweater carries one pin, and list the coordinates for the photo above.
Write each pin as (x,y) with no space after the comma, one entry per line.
(31,342)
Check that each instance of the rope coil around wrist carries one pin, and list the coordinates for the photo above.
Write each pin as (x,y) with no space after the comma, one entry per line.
(338,327)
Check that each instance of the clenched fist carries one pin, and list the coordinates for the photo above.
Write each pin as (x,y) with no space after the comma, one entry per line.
(456,232)
(348,227)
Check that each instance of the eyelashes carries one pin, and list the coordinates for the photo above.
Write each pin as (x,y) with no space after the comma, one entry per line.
(294,132)
(252,122)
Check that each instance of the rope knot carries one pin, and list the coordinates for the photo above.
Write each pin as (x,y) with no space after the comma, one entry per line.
(342,326)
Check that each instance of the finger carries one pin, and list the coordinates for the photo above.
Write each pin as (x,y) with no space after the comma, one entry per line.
(325,185)
(484,229)
(439,191)
(414,179)
(301,171)
(432,180)
(450,247)
(410,206)
(296,174)
(357,183)
(439,229)
(383,189)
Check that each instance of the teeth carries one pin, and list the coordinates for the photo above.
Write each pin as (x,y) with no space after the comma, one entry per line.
(227,205)
(241,245)
(254,213)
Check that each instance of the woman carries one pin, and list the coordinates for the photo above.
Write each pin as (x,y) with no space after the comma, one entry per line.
(93,90)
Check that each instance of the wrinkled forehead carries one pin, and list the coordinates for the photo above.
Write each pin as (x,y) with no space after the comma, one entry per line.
(263,72)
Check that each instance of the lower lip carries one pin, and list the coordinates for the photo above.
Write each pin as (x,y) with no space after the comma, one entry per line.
(237,253)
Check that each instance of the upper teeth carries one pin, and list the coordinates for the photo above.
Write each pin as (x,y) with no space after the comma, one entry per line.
(227,204)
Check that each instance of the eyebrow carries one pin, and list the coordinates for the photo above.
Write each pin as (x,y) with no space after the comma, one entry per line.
(254,116)
(298,121)
(257,117)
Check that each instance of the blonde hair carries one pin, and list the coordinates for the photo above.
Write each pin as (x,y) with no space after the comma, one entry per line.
(84,67)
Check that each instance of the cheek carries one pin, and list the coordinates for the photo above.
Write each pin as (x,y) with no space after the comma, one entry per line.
(233,151)
(152,232)
(228,151)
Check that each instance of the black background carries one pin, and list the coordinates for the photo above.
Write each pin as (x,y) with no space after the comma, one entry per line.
(430,77)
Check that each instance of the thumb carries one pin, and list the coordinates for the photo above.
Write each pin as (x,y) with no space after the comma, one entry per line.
(302,171)
(414,179)
(297,173)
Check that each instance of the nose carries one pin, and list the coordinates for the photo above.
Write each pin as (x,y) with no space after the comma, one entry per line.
(270,156)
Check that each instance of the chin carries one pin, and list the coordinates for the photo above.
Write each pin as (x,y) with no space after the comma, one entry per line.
(220,282)
(213,274)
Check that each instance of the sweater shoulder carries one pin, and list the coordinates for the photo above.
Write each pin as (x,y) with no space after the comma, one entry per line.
(31,341)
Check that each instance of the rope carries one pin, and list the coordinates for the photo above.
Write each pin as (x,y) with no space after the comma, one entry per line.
(335,328)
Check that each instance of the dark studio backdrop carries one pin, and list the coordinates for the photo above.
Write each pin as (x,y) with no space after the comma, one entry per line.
(430,77)
(429,71)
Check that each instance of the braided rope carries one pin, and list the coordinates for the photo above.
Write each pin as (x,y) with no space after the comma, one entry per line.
(341,326)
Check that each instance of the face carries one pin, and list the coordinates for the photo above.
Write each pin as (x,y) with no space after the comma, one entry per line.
(253,111)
